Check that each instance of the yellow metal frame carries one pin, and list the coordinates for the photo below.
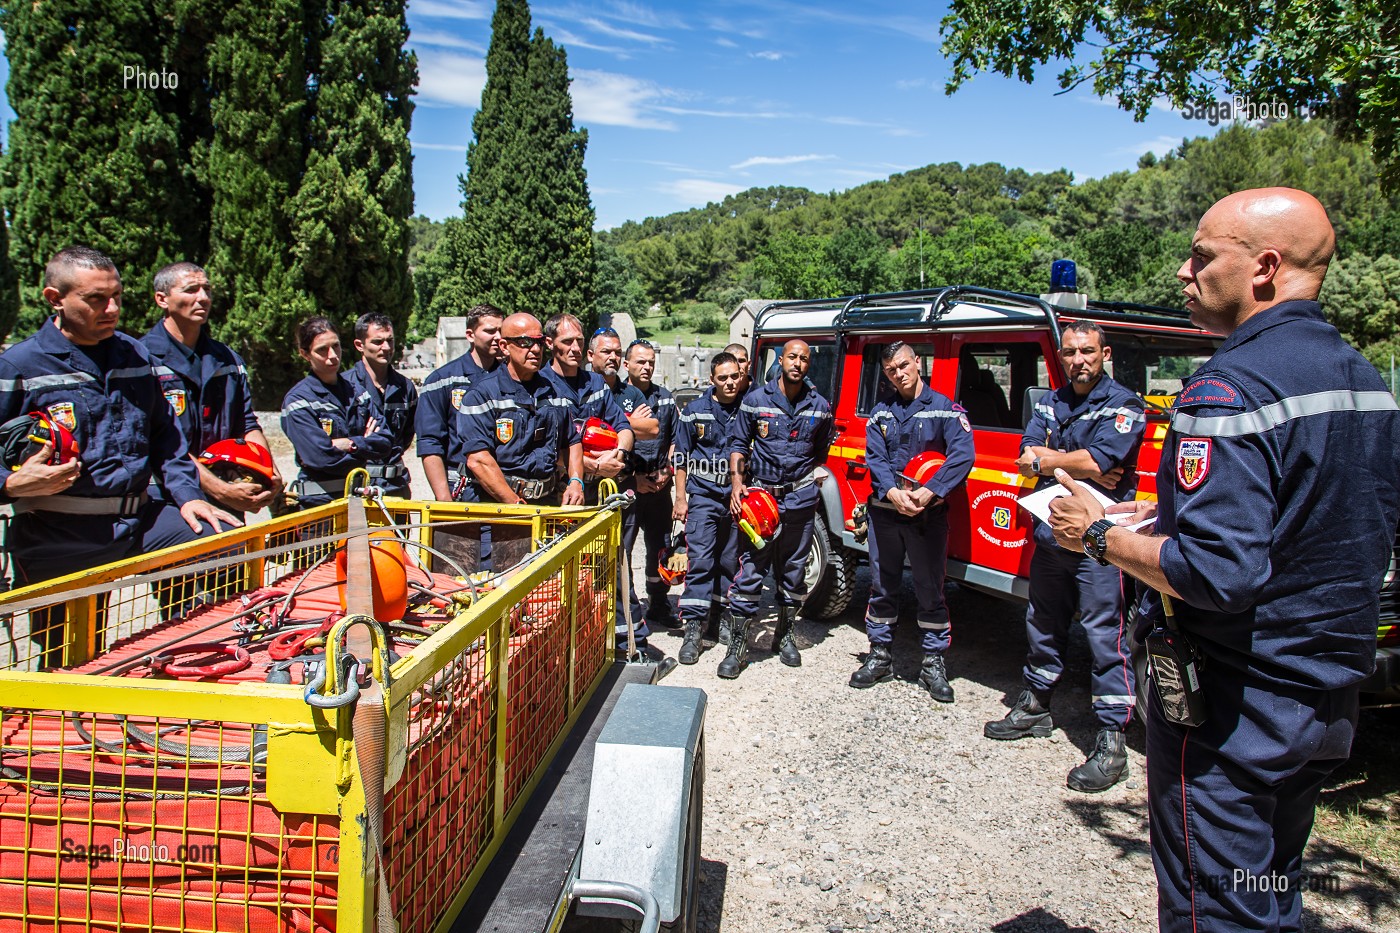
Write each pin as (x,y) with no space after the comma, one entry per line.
(310,764)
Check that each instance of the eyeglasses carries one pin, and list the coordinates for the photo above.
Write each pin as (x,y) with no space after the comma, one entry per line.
(526,342)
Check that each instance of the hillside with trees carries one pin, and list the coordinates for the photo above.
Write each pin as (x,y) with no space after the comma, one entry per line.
(1001,227)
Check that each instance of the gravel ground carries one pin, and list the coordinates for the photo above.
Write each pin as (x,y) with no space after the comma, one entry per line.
(833,809)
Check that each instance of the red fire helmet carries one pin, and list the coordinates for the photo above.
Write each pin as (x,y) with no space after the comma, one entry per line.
(237,460)
(598,438)
(22,437)
(674,559)
(921,468)
(388,576)
(758,516)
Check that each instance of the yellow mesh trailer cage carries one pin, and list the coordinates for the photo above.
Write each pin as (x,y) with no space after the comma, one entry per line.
(147,804)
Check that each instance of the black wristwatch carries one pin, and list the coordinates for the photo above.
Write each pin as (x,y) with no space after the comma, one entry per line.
(1035,465)
(1096,540)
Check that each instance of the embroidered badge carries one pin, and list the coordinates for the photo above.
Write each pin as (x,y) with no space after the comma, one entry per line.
(763,429)
(962,420)
(1001,517)
(1210,390)
(176,398)
(62,412)
(1122,423)
(327,425)
(457,395)
(1192,462)
(505,430)
(700,431)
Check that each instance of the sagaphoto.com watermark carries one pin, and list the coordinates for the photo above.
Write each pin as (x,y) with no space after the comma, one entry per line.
(1242,109)
(136,78)
(129,850)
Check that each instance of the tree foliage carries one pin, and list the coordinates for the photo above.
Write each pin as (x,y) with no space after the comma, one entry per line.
(1339,58)
(525,240)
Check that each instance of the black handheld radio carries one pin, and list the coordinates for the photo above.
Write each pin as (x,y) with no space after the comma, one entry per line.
(1175,665)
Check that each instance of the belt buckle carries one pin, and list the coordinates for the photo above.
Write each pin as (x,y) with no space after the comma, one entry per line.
(533,489)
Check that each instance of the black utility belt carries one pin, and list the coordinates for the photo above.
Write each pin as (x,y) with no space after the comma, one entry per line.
(305,486)
(529,488)
(782,489)
(389,471)
(118,506)
(707,467)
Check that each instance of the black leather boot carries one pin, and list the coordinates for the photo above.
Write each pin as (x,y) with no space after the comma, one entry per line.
(690,647)
(726,625)
(933,677)
(738,657)
(1030,717)
(1107,764)
(877,668)
(784,643)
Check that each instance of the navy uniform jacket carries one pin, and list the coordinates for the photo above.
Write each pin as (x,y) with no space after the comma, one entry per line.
(1279,492)
(783,442)
(651,455)
(394,408)
(1109,423)
(519,424)
(897,431)
(124,428)
(313,414)
(588,396)
(702,445)
(207,387)
(439,402)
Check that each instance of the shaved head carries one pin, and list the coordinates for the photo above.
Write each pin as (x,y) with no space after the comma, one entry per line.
(1255,249)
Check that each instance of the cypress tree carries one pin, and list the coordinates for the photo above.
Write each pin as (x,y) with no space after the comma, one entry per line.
(351,213)
(258,62)
(9,283)
(525,238)
(95,152)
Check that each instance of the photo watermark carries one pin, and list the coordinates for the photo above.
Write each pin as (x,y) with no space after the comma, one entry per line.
(1243,109)
(1241,880)
(137,79)
(126,850)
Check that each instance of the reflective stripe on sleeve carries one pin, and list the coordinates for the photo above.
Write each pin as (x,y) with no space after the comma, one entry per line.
(1281,412)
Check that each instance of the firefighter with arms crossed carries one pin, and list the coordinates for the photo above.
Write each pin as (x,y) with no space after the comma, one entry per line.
(910,517)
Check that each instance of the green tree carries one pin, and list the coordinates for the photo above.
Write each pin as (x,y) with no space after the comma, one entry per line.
(350,214)
(525,240)
(1337,57)
(259,62)
(858,258)
(9,282)
(1361,295)
(95,154)
(618,288)
(981,251)
(792,265)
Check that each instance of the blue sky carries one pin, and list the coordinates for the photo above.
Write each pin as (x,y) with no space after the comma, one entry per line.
(686,102)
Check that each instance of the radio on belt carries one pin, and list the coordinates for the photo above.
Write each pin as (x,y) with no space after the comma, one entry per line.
(1176,671)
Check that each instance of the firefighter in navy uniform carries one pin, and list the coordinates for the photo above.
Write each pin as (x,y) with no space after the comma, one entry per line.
(521,446)
(1092,429)
(651,475)
(205,383)
(100,385)
(702,502)
(393,399)
(587,396)
(330,424)
(911,517)
(440,399)
(780,437)
(1279,493)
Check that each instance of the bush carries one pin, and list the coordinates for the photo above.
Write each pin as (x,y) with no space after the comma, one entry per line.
(706,318)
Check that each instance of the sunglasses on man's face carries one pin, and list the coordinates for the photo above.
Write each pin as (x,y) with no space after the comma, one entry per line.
(526,342)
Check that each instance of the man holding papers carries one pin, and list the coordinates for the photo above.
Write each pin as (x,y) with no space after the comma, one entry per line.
(1091,428)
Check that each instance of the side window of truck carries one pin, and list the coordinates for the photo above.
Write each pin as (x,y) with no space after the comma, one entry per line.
(993,379)
(821,372)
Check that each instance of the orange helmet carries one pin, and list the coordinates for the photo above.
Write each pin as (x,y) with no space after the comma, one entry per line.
(598,438)
(758,516)
(22,437)
(673,560)
(920,469)
(236,460)
(388,575)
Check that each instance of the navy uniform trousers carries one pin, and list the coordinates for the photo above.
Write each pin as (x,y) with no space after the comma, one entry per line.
(785,555)
(1060,579)
(650,516)
(924,539)
(1260,758)
(712,543)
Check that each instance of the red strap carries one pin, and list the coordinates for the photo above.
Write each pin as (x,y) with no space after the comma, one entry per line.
(238,660)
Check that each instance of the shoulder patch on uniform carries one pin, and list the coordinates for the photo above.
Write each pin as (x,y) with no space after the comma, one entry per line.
(1211,391)
(962,420)
(1123,422)
(1192,461)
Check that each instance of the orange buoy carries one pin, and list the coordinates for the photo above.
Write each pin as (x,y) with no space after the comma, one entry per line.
(388,576)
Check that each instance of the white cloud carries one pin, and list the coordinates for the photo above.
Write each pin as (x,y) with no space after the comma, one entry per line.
(607,99)
(450,9)
(779,160)
(451,80)
(438,147)
(436,38)
(699,191)
(767,55)
(571,40)
(1161,145)
(908,84)
(724,43)
(617,33)
(726,114)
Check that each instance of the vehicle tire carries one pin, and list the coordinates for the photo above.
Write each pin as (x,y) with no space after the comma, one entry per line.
(831,575)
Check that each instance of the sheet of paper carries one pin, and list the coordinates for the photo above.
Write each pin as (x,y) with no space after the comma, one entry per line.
(1038,502)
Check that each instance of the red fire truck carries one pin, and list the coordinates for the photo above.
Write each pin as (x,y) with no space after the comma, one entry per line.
(995,353)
